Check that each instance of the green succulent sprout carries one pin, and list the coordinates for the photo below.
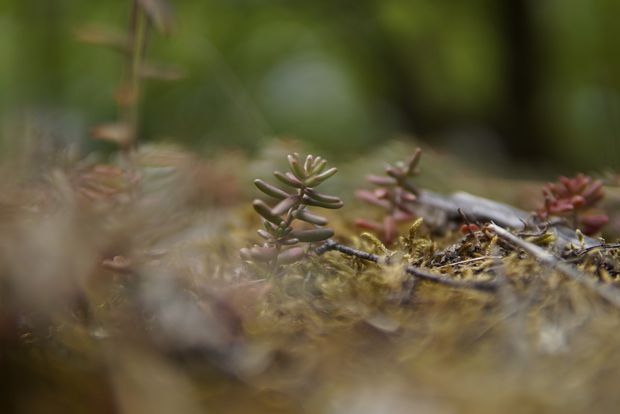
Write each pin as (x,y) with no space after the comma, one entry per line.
(282,221)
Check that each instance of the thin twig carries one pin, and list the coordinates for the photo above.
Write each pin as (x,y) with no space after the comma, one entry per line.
(547,259)
(604,246)
(483,285)
(330,245)
(475,259)
(350,251)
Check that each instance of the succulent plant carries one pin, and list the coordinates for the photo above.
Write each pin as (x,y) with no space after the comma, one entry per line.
(394,193)
(284,221)
(572,197)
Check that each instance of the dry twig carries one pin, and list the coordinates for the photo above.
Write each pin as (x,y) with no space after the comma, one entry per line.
(487,286)
(547,259)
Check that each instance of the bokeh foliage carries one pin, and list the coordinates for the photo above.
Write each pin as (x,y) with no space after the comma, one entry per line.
(534,78)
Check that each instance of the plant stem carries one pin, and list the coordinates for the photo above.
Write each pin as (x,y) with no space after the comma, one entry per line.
(604,246)
(331,245)
(138,30)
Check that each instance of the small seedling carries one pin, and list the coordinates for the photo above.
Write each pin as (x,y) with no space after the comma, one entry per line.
(572,198)
(394,193)
(283,222)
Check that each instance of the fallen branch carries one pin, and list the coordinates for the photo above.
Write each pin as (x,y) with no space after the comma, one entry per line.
(547,259)
(484,210)
(487,286)
(476,208)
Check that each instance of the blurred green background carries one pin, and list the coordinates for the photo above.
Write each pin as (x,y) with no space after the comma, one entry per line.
(525,80)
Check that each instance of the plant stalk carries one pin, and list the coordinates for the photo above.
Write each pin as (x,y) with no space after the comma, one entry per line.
(416,272)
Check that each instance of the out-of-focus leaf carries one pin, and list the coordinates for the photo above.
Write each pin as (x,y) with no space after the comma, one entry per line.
(369,225)
(394,173)
(103,182)
(413,162)
(159,12)
(149,70)
(381,180)
(370,197)
(258,253)
(117,264)
(103,36)
(117,132)
(291,255)
(389,229)
(263,254)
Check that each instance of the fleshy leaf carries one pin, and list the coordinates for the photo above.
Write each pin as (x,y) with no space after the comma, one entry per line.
(318,179)
(296,168)
(263,254)
(370,197)
(291,255)
(315,195)
(318,165)
(413,162)
(270,190)
(263,210)
(310,218)
(381,180)
(290,242)
(334,206)
(369,225)
(313,235)
(288,179)
(308,162)
(285,205)
(265,235)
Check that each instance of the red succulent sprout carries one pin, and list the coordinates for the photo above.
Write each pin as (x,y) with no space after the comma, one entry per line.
(394,193)
(470,228)
(571,197)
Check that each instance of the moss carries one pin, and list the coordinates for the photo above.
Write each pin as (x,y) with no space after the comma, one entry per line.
(185,324)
